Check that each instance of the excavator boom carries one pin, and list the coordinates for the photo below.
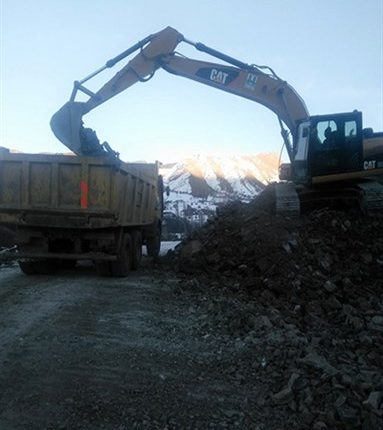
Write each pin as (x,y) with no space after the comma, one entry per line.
(158,51)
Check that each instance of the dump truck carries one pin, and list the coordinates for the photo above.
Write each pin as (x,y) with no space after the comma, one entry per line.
(66,208)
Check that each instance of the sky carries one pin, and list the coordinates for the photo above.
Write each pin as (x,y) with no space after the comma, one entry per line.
(330,51)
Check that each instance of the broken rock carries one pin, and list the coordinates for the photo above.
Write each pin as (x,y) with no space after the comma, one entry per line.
(190,249)
(374,401)
(329,286)
(283,396)
(312,359)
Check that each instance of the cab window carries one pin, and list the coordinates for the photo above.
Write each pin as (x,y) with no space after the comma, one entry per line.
(350,129)
(327,131)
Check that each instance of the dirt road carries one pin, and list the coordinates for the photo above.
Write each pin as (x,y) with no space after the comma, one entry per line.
(80,351)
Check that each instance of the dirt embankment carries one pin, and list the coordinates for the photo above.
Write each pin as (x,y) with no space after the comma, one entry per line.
(303,298)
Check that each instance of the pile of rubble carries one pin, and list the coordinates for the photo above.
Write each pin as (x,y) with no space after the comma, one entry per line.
(304,296)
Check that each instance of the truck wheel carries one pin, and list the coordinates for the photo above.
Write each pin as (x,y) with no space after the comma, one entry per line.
(27,267)
(38,267)
(7,237)
(153,244)
(136,249)
(121,267)
(103,268)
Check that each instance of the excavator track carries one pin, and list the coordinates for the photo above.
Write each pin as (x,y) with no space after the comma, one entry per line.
(364,195)
(286,199)
(372,195)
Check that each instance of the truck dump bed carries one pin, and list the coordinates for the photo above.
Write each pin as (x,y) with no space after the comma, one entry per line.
(68,191)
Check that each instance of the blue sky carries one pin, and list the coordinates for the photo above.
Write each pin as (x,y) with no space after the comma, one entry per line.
(331,52)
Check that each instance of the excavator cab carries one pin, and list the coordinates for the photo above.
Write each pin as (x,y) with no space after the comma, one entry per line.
(335,144)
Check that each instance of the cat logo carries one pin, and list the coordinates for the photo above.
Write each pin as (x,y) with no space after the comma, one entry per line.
(368,165)
(218,76)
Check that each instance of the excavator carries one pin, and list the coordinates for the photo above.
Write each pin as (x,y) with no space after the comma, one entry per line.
(332,157)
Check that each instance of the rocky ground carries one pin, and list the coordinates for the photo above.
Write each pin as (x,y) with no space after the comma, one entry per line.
(78,351)
(303,299)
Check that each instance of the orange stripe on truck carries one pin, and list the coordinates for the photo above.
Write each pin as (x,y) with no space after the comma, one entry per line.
(84,194)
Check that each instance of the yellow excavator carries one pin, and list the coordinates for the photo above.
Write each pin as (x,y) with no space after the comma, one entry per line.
(332,157)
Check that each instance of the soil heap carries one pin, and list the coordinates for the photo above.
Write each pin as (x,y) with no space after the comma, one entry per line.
(304,296)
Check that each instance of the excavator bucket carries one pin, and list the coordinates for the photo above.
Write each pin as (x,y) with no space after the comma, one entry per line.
(66,125)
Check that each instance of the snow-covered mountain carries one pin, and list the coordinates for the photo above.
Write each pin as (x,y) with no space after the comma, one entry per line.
(200,183)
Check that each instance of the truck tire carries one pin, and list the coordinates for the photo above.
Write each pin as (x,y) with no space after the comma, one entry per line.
(103,268)
(153,244)
(121,267)
(7,237)
(136,249)
(27,267)
(38,267)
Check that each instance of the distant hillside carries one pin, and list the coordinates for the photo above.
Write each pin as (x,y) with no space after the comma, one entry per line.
(201,183)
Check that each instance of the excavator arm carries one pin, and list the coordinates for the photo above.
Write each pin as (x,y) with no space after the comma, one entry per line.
(67,124)
(257,83)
